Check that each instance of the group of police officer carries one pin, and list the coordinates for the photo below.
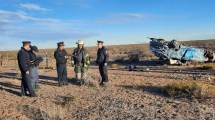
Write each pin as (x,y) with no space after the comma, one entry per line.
(80,60)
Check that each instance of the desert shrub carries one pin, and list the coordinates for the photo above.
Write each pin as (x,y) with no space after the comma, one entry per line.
(64,100)
(135,55)
(190,89)
(33,113)
(92,83)
(138,55)
(91,80)
(194,63)
(119,59)
(207,67)
(114,65)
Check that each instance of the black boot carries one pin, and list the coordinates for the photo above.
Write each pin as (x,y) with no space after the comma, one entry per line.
(80,82)
(66,82)
(60,84)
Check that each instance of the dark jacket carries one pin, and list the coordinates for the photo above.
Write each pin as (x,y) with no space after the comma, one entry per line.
(102,56)
(35,60)
(60,56)
(80,56)
(24,61)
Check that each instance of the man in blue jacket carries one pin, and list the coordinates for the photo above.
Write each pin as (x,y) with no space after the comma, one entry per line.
(61,57)
(102,59)
(24,63)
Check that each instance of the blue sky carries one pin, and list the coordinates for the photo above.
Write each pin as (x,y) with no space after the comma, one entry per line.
(46,22)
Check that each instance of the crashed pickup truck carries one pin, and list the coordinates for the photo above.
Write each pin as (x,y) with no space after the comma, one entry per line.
(174,52)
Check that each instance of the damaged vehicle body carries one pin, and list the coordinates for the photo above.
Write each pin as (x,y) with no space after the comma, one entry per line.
(174,52)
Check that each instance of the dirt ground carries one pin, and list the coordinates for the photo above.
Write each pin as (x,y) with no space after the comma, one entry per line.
(130,95)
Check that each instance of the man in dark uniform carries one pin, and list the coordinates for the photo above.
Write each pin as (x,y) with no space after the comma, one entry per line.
(61,60)
(81,60)
(24,66)
(102,59)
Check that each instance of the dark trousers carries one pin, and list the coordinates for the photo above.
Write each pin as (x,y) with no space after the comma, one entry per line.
(26,86)
(62,74)
(103,73)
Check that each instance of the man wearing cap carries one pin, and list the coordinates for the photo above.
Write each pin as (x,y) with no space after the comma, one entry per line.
(81,60)
(35,61)
(24,63)
(102,59)
(61,60)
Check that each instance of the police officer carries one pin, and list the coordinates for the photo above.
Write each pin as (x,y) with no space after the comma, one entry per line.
(24,66)
(35,61)
(61,59)
(102,59)
(81,60)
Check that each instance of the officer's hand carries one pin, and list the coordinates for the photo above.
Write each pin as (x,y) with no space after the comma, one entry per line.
(105,64)
(27,72)
(73,63)
(97,63)
(66,57)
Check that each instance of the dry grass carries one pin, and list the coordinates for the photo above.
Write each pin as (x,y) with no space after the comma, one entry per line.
(64,100)
(190,89)
(92,83)
(114,66)
(207,67)
(91,80)
(210,66)
(194,63)
(201,43)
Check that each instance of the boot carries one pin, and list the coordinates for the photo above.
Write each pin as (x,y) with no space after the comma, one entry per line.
(104,84)
(60,84)
(66,82)
(81,82)
(37,87)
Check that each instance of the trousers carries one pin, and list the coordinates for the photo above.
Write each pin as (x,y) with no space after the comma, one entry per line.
(34,76)
(26,85)
(62,74)
(104,73)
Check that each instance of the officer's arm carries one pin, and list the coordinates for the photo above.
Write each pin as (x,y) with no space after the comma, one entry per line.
(38,61)
(73,58)
(59,58)
(105,52)
(87,55)
(23,62)
(66,57)
(97,57)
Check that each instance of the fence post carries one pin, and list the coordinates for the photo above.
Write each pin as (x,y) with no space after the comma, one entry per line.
(47,61)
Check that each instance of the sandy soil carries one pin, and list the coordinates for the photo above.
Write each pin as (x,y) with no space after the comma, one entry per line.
(131,95)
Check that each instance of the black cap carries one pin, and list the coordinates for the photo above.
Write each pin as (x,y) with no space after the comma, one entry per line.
(34,48)
(60,44)
(99,41)
(26,42)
